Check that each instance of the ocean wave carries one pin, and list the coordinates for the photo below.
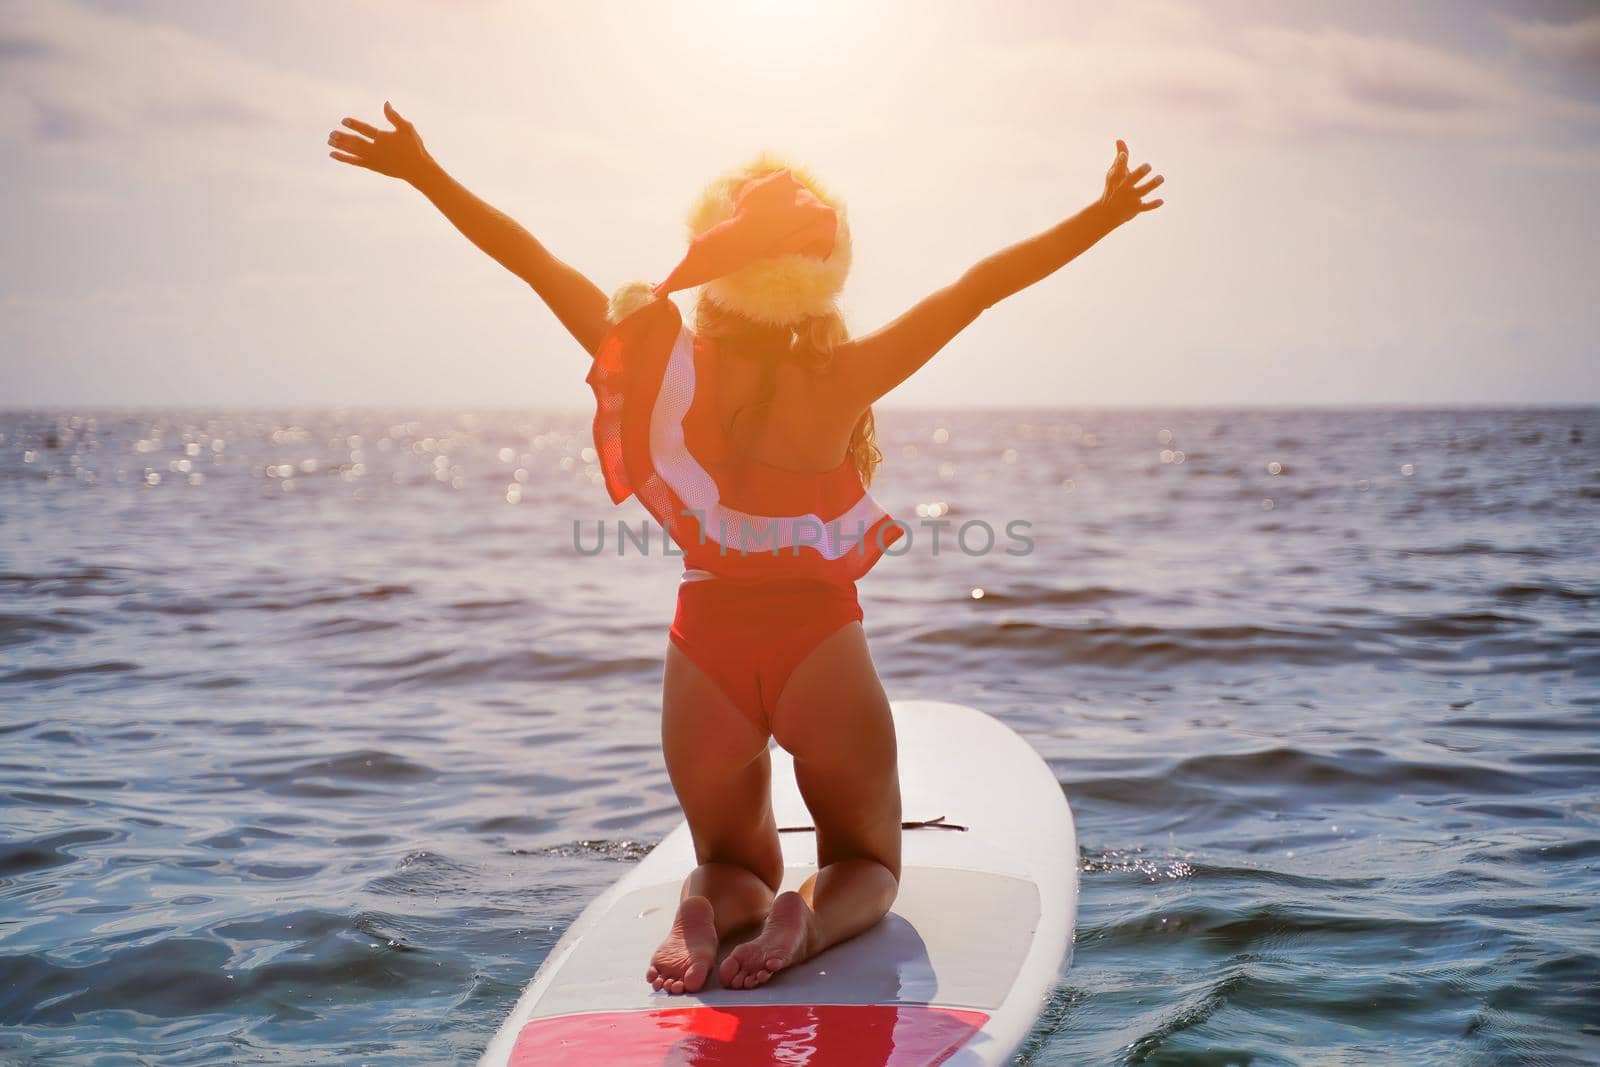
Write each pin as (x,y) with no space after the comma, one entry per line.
(312,759)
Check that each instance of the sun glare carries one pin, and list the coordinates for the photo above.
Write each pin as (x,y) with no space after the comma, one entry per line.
(773,38)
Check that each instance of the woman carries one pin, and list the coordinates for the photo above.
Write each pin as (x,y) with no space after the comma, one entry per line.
(732,437)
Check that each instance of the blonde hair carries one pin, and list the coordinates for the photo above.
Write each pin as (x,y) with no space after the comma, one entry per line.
(774,289)
(809,342)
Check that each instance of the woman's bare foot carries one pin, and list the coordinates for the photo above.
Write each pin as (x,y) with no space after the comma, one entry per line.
(785,939)
(683,962)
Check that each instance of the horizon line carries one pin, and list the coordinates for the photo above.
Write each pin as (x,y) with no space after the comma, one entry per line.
(321,408)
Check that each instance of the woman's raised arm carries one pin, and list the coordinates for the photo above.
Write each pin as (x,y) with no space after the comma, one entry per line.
(870,366)
(399,153)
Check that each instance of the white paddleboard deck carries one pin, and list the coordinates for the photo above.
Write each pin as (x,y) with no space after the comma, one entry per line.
(956,974)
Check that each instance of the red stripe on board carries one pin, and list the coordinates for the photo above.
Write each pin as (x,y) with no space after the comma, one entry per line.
(822,1035)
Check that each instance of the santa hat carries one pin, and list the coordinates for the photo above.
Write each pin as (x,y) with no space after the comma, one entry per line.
(766,240)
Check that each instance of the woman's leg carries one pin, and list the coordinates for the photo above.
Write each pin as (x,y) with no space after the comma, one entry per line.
(833,717)
(718,762)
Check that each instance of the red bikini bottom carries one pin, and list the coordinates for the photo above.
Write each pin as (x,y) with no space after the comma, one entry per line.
(748,637)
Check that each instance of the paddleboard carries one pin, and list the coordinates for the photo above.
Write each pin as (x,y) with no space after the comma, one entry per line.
(956,974)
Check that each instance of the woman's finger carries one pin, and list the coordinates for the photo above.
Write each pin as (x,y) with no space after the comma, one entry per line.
(348,141)
(1144,190)
(1152,205)
(1119,162)
(361,128)
(394,116)
(1136,174)
(354,161)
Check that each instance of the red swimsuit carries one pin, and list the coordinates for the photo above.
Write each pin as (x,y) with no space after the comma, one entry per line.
(750,636)
(771,555)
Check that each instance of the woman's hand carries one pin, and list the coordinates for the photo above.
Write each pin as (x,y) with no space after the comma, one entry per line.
(397,153)
(1125,196)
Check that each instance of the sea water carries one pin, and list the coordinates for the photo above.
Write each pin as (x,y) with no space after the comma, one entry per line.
(319,727)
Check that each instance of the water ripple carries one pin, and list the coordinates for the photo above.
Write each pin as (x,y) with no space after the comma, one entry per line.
(311,758)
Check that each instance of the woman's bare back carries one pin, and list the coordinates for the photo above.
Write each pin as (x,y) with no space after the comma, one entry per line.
(796,429)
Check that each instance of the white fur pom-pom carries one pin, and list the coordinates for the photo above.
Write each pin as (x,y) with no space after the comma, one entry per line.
(630,298)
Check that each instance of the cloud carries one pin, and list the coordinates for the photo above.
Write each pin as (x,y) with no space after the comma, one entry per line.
(1576,44)
(1277,79)
(16,48)
(1338,80)
(70,75)
(53,121)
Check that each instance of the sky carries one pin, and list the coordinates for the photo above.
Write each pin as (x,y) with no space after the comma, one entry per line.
(1366,202)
